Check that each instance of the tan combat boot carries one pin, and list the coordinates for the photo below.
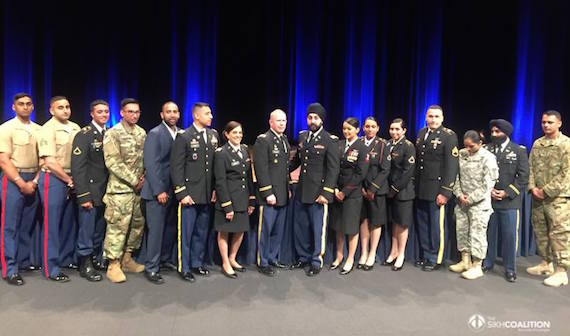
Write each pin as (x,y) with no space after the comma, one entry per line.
(544,268)
(558,279)
(114,272)
(130,265)
(462,265)
(475,272)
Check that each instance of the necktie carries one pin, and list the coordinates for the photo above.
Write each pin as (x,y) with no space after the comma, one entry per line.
(346,147)
(203,135)
(310,137)
(427,134)
(283,144)
(240,154)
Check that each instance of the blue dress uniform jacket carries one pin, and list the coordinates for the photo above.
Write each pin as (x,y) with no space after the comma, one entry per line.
(271,162)
(234,183)
(191,164)
(438,163)
(403,155)
(353,168)
(88,166)
(379,166)
(513,174)
(319,161)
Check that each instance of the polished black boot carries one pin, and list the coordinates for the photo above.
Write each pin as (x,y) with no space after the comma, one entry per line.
(88,271)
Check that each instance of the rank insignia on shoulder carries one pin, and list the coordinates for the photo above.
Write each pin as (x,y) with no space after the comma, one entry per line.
(412,160)
(86,129)
(334,137)
(219,149)
(77,151)
(180,131)
(263,135)
(455,152)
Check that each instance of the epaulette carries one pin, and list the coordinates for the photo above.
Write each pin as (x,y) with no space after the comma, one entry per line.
(180,131)
(86,129)
(215,131)
(219,149)
(263,135)
(448,131)
(334,137)
(523,147)
(302,132)
(244,146)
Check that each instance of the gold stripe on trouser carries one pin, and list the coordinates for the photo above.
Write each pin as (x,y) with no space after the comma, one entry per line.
(259,235)
(441,233)
(179,240)
(517,232)
(324,232)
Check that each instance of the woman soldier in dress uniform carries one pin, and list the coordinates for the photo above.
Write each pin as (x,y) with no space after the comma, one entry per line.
(235,196)
(348,197)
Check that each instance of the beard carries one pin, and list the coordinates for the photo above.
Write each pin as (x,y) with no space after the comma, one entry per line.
(314,127)
(497,140)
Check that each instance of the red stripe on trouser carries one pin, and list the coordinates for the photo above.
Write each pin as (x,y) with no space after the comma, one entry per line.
(46,221)
(3,219)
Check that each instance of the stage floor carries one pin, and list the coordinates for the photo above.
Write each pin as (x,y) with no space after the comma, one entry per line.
(379,302)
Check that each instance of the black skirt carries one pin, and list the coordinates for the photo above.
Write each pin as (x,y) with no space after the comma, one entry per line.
(345,216)
(402,212)
(240,222)
(375,211)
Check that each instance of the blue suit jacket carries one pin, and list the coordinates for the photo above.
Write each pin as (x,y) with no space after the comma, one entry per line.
(156,158)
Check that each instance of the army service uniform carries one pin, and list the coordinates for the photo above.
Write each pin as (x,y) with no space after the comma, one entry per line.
(436,171)
(376,181)
(271,162)
(401,179)
(191,169)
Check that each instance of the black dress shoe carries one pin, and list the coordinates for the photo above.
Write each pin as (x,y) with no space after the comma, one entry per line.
(419,263)
(154,277)
(367,268)
(510,276)
(346,271)
(229,275)
(202,271)
(169,267)
(88,271)
(429,266)
(240,269)
(101,266)
(187,276)
(334,266)
(396,268)
(15,279)
(71,266)
(386,263)
(300,264)
(61,277)
(312,271)
(277,264)
(31,268)
(266,270)
(486,269)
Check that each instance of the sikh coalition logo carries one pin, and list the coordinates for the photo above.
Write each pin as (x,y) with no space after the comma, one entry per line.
(477,323)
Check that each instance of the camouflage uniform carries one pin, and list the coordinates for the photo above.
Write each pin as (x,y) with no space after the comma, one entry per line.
(550,170)
(477,176)
(123,150)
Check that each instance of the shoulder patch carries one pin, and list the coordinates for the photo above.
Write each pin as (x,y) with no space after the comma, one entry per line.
(411,160)
(455,152)
(389,157)
(77,151)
